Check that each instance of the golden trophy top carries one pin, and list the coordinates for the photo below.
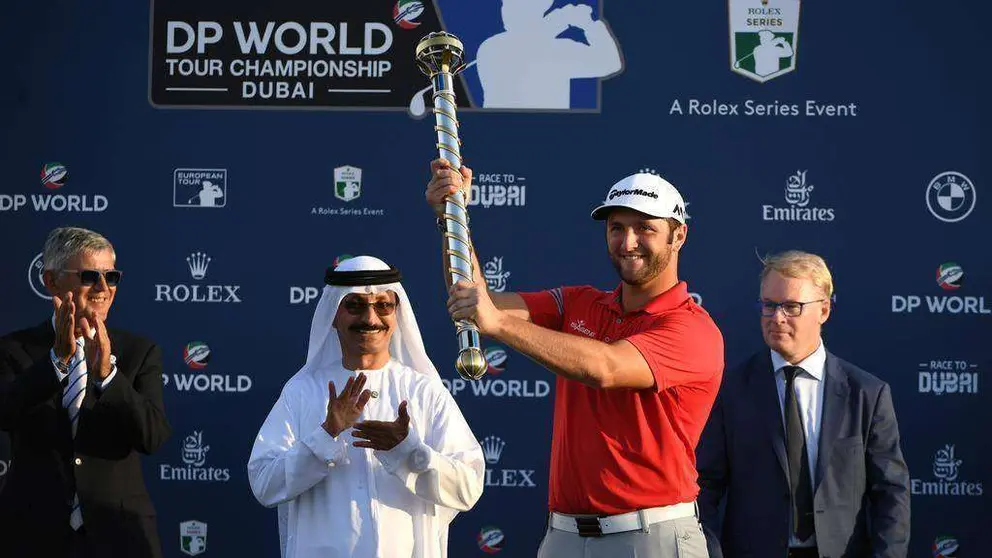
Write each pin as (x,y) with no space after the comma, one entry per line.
(440,51)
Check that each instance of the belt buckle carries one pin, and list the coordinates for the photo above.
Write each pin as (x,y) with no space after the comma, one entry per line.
(588,526)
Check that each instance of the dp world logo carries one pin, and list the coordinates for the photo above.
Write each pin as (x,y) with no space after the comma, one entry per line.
(496,358)
(196,355)
(945,547)
(950,276)
(406,12)
(950,196)
(490,539)
(54,175)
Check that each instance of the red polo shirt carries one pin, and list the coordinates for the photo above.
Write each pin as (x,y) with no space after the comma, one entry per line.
(616,451)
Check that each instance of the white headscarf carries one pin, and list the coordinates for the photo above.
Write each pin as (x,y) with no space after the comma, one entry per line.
(406,346)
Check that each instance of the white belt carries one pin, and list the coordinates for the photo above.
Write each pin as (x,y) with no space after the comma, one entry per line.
(592,526)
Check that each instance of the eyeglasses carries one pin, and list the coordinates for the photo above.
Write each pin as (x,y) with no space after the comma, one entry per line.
(357,306)
(91,277)
(790,308)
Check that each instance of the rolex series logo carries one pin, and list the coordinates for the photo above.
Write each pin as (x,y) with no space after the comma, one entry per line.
(198,262)
(492,449)
(764,37)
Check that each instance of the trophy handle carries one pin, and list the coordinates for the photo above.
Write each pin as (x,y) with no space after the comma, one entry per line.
(439,55)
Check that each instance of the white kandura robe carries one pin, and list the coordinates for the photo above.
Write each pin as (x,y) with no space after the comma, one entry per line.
(346,502)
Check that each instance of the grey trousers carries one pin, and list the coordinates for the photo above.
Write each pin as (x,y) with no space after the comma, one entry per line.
(676,538)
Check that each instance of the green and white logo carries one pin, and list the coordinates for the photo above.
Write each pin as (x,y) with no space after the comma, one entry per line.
(193,537)
(764,37)
(347,183)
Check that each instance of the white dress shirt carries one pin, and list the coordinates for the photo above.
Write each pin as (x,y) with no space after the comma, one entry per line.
(809,395)
(342,501)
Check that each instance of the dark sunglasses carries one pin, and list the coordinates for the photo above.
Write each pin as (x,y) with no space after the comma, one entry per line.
(357,307)
(91,277)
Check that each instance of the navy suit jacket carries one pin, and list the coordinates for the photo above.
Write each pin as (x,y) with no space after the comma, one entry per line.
(101,464)
(861,483)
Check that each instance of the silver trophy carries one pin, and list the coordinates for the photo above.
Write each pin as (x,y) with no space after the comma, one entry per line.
(440,57)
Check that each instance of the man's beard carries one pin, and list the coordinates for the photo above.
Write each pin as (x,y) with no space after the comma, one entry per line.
(654,264)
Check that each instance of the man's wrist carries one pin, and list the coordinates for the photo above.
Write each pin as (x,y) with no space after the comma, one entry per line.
(331,430)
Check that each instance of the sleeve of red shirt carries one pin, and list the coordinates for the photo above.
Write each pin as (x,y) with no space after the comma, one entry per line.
(684,348)
(547,308)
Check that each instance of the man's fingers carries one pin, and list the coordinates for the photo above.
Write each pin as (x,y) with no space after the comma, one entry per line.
(346,392)
(437,164)
(332,393)
(356,389)
(404,416)
(372,425)
(363,399)
(57,302)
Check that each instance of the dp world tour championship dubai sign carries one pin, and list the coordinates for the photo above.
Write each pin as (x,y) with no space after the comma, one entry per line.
(360,55)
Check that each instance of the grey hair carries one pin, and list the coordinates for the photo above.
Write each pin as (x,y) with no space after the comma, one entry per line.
(64,243)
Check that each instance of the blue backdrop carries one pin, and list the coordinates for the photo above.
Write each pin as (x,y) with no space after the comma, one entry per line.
(858,136)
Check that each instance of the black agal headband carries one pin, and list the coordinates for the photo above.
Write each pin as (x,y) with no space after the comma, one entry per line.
(362,278)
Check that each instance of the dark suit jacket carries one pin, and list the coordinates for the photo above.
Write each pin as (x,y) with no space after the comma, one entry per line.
(861,494)
(101,463)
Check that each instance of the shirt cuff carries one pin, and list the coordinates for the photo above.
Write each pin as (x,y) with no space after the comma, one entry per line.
(102,385)
(332,451)
(61,369)
(411,453)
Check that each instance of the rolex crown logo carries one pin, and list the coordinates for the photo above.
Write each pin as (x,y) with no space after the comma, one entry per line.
(198,262)
(492,448)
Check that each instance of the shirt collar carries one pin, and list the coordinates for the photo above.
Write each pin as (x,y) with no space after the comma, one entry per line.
(667,300)
(813,364)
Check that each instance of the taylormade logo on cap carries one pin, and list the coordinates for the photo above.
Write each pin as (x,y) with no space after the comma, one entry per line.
(618,193)
(648,193)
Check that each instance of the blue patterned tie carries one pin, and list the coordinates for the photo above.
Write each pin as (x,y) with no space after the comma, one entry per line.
(72,400)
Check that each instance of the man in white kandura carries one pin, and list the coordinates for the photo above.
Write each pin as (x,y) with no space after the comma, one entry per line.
(391,486)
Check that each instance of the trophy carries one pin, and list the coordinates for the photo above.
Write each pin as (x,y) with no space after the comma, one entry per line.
(440,57)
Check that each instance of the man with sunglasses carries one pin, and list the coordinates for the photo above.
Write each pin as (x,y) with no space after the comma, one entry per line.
(365,453)
(80,402)
(802,446)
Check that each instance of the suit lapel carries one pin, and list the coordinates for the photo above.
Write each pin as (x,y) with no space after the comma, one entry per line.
(835,395)
(38,346)
(764,393)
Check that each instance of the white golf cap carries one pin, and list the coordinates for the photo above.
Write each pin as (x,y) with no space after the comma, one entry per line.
(648,193)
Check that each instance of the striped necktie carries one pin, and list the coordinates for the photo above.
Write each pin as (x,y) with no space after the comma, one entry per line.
(72,400)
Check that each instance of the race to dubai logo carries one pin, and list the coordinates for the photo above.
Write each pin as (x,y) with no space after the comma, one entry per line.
(360,55)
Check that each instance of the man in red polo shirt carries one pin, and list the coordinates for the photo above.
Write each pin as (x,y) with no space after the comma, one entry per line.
(638,370)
